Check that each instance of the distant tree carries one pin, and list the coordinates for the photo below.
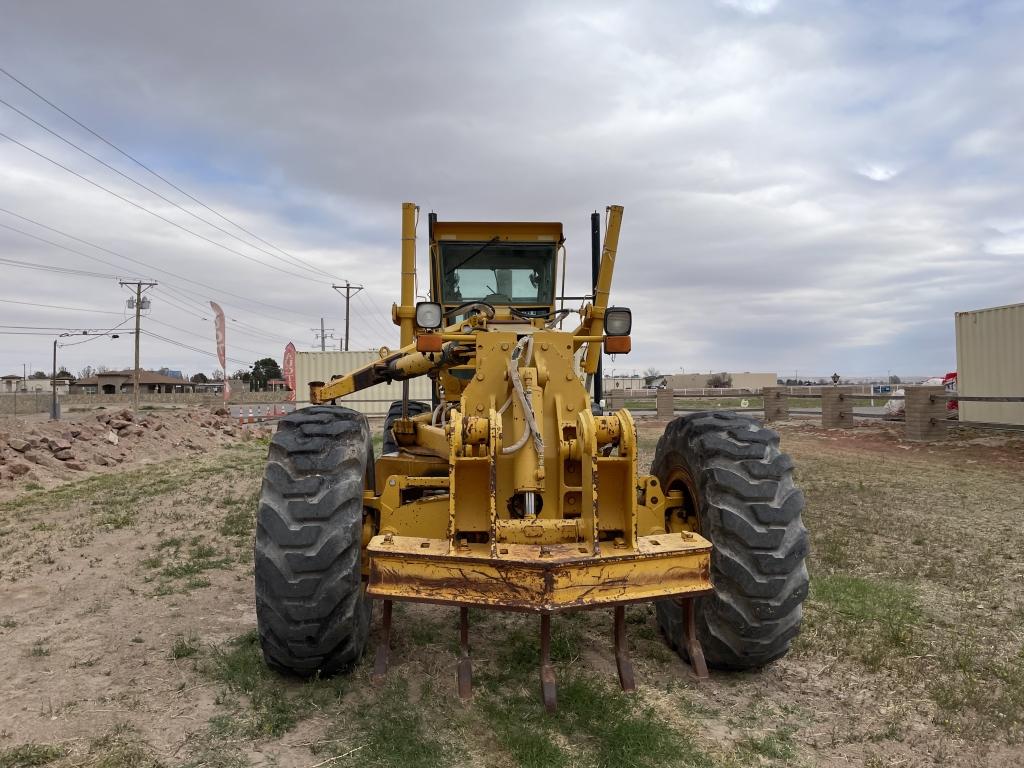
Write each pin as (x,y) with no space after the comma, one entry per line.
(720,380)
(64,373)
(652,371)
(200,378)
(217,375)
(263,370)
(87,372)
(242,374)
(102,369)
(39,375)
(894,379)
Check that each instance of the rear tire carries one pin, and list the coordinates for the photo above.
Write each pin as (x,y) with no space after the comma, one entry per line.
(312,614)
(741,486)
(395,413)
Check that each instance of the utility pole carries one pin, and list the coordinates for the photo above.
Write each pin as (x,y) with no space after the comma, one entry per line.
(323,335)
(138,334)
(350,291)
(53,384)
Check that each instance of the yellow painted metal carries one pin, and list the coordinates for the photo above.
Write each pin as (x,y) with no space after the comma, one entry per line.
(543,579)
(505,231)
(511,493)
(604,287)
(406,311)
(374,400)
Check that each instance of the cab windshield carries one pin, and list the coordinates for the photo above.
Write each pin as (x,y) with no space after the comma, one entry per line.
(498,273)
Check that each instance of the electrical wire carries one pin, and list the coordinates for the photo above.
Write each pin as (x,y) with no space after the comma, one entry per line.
(150,189)
(51,328)
(371,315)
(25,333)
(58,306)
(203,307)
(93,337)
(126,258)
(49,268)
(189,347)
(143,208)
(185,330)
(145,167)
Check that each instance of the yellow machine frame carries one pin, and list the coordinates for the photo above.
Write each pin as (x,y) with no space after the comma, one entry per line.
(514,421)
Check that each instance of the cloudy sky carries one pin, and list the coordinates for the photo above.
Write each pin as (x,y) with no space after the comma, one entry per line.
(809,186)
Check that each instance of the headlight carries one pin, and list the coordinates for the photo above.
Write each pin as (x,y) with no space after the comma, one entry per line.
(428,315)
(618,321)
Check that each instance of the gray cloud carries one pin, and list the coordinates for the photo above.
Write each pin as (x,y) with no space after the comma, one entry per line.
(813,186)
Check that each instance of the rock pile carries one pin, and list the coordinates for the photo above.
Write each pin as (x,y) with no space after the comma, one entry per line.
(52,451)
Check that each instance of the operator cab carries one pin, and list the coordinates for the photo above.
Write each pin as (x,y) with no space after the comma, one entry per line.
(501,264)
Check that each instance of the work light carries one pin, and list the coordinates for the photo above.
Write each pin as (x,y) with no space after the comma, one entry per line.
(428,315)
(618,321)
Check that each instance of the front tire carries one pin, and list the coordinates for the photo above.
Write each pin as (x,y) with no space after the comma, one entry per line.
(312,614)
(416,408)
(739,493)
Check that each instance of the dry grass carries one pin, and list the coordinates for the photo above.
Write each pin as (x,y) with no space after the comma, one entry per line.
(912,651)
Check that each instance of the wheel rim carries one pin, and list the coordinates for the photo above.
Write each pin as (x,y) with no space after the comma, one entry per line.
(687,516)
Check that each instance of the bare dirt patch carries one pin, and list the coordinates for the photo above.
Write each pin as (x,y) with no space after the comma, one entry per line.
(127,621)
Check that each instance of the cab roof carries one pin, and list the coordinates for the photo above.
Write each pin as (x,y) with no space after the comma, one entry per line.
(511,231)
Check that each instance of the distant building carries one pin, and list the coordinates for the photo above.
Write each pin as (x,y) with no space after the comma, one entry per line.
(740,380)
(15,383)
(121,382)
(623,382)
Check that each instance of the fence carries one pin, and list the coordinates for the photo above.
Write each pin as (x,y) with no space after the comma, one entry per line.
(925,407)
(24,403)
(176,398)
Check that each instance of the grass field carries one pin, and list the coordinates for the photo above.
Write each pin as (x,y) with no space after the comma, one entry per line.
(127,619)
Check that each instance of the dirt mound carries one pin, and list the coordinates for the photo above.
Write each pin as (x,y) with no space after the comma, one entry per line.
(48,453)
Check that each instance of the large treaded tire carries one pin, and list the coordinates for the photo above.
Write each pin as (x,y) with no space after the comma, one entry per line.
(312,615)
(394,413)
(749,508)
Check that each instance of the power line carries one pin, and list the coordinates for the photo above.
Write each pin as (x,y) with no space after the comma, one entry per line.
(182,295)
(50,268)
(183,345)
(139,306)
(58,306)
(49,328)
(185,330)
(234,328)
(350,291)
(323,336)
(152,191)
(122,256)
(143,208)
(99,334)
(386,330)
(154,173)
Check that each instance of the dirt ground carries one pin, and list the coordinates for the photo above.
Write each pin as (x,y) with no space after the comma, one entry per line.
(127,618)
(38,453)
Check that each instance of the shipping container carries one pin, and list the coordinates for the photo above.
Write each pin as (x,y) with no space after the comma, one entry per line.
(990,362)
(321,366)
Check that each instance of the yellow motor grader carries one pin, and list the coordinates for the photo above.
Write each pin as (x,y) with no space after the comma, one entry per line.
(513,490)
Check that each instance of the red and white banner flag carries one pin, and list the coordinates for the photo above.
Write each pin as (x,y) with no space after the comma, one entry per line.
(289,369)
(218,323)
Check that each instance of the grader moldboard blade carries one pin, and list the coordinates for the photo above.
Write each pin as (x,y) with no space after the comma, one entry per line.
(512,491)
